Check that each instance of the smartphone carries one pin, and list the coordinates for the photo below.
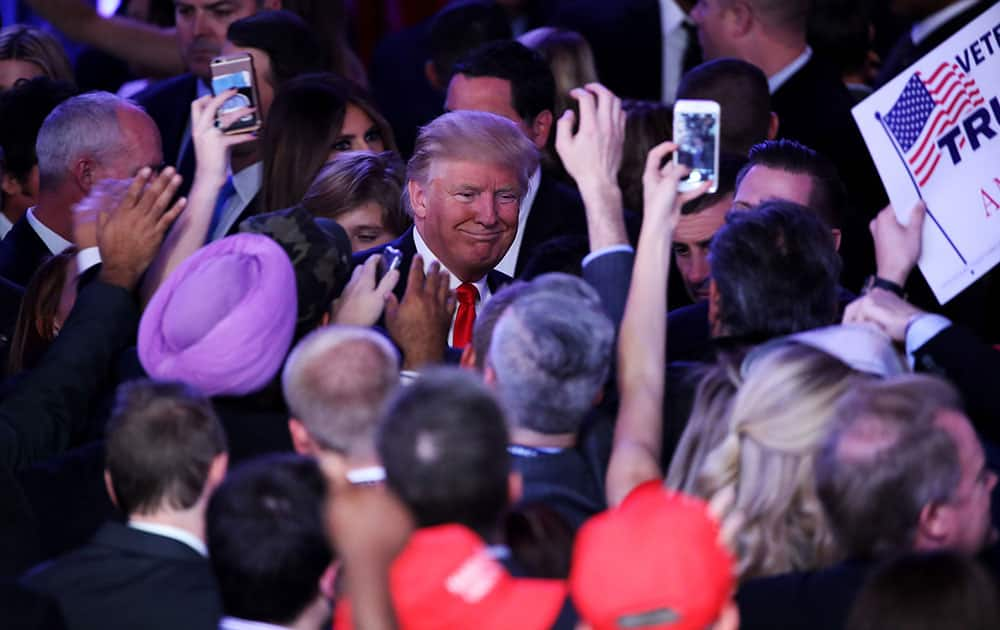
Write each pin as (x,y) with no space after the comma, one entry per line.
(237,72)
(391,258)
(696,134)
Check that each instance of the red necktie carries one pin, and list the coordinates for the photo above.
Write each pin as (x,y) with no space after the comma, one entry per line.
(467,294)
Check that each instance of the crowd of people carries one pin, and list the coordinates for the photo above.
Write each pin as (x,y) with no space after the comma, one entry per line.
(447,344)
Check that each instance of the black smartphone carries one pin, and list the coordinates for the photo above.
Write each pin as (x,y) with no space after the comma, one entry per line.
(391,258)
(237,72)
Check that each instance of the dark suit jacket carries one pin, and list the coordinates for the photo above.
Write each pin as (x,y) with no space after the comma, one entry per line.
(45,413)
(563,481)
(627,40)
(24,609)
(125,578)
(815,600)
(169,104)
(557,210)
(10,304)
(814,108)
(22,252)
(973,367)
(904,53)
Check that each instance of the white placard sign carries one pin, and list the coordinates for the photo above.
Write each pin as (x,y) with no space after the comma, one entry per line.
(934,134)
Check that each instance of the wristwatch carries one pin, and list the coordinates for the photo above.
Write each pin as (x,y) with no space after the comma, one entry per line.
(874,282)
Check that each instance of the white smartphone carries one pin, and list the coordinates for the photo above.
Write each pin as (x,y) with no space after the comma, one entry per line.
(696,134)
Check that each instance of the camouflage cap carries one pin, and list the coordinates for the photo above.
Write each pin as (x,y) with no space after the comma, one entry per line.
(320,252)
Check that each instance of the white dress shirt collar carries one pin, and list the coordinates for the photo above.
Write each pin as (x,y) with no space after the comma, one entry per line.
(53,242)
(779,78)
(175,533)
(5,225)
(923,29)
(235,623)
(508,264)
(675,43)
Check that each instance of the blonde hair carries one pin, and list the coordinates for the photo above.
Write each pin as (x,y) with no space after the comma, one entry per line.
(26,43)
(750,451)
(570,59)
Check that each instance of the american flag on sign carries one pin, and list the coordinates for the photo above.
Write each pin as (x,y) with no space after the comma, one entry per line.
(925,109)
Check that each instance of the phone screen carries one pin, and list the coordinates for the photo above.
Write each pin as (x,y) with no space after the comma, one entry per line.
(697,136)
(242,81)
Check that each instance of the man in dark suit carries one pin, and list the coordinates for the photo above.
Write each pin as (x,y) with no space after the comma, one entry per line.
(511,80)
(466,179)
(937,20)
(812,103)
(267,545)
(641,47)
(548,361)
(201,32)
(901,470)
(85,139)
(166,453)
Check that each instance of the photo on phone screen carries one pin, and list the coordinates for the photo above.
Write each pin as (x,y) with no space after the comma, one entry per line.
(696,133)
(236,73)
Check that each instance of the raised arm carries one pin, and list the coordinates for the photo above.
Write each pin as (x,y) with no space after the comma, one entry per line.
(38,420)
(635,454)
(211,148)
(152,47)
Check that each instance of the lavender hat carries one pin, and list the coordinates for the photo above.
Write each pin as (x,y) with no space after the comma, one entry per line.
(223,320)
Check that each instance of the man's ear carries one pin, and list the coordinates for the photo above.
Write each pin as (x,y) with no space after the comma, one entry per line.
(837,236)
(84,172)
(515,487)
(110,487)
(274,5)
(713,308)
(418,199)
(541,127)
(773,125)
(328,581)
(739,17)
(11,185)
(301,441)
(217,470)
(432,76)
(937,521)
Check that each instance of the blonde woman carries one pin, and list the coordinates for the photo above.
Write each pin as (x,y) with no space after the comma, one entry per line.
(749,448)
(569,57)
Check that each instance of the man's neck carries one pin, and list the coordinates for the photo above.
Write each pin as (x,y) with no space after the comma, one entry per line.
(54,209)
(191,520)
(526,437)
(776,55)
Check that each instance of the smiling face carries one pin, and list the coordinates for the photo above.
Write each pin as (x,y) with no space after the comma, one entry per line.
(466,212)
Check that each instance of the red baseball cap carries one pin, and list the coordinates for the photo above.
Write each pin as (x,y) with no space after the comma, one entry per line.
(446,579)
(655,561)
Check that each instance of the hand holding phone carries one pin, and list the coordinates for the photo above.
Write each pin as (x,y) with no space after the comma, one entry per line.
(391,258)
(696,134)
(236,72)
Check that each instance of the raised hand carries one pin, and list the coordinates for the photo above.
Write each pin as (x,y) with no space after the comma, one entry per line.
(660,181)
(897,246)
(595,150)
(419,324)
(211,146)
(363,300)
(129,236)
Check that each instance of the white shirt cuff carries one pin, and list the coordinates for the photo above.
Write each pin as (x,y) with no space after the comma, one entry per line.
(606,250)
(87,258)
(921,330)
